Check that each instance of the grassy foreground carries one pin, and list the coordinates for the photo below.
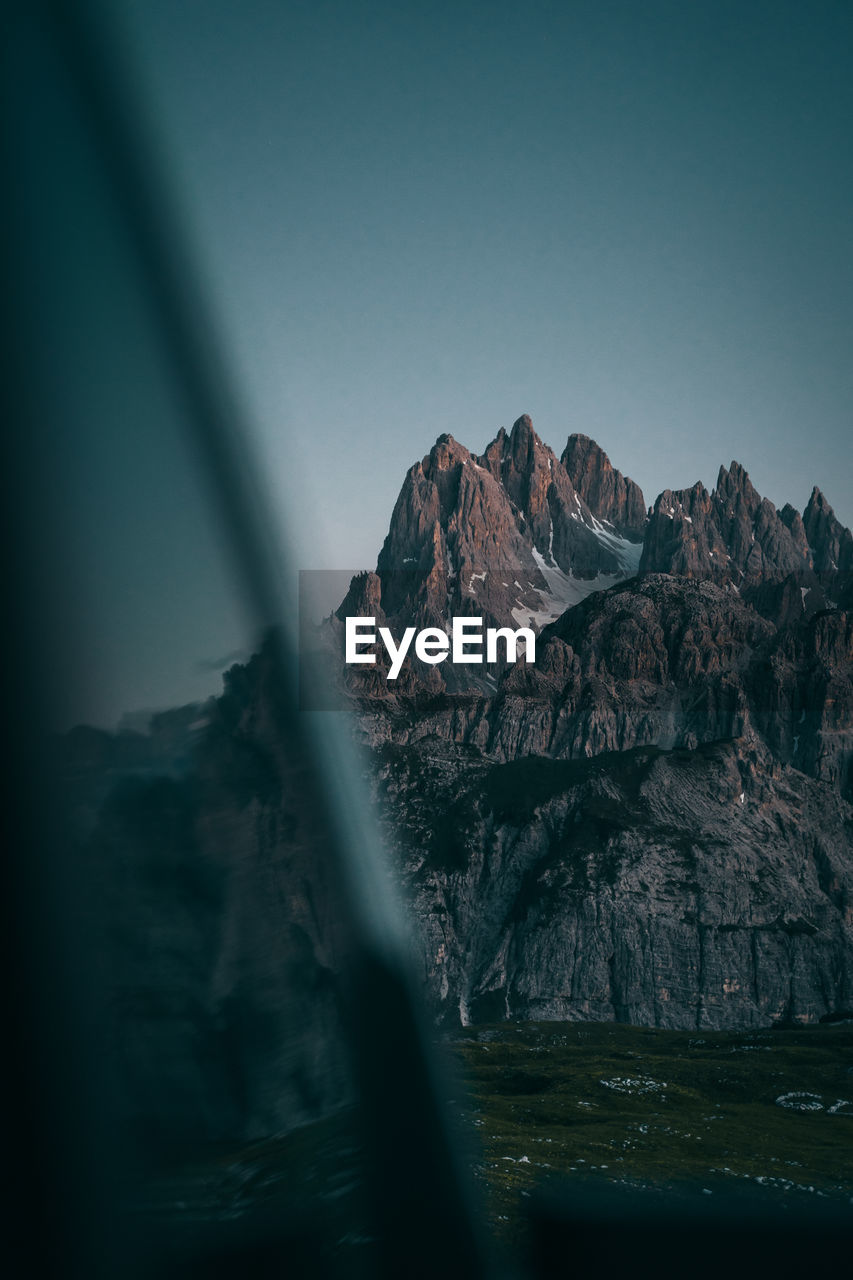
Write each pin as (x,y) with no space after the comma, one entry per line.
(765,1114)
(759,1116)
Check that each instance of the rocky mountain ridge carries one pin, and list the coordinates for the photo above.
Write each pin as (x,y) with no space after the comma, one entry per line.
(721,674)
(653,823)
(505,535)
(609,495)
(517,537)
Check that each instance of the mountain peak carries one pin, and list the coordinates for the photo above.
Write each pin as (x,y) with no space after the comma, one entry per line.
(818,502)
(732,534)
(523,441)
(504,533)
(831,543)
(446,440)
(610,496)
(445,453)
(735,482)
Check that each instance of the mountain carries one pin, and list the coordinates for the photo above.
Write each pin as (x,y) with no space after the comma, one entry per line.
(731,534)
(504,535)
(609,495)
(517,537)
(831,543)
(653,823)
(698,888)
(212,916)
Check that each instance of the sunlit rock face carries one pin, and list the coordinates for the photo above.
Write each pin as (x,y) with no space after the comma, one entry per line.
(731,535)
(504,535)
(609,495)
(653,822)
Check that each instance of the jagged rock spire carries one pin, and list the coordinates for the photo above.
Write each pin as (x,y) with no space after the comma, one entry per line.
(610,496)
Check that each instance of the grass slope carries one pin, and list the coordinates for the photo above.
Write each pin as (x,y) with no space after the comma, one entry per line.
(582,1108)
(592,1105)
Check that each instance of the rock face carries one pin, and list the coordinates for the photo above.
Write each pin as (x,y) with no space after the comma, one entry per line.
(609,495)
(504,536)
(654,824)
(676,889)
(831,543)
(654,821)
(731,534)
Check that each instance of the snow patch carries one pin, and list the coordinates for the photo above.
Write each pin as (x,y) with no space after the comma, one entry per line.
(564,590)
(800,1101)
(633,1084)
(627,553)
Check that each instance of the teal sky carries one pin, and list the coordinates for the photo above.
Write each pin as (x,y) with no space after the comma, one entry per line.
(628,219)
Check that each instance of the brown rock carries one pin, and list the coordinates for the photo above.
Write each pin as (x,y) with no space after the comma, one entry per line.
(610,496)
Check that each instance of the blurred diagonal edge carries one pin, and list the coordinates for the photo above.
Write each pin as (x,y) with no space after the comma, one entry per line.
(420,1199)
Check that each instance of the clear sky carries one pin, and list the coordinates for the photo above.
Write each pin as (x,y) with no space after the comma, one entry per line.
(624,218)
(629,219)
